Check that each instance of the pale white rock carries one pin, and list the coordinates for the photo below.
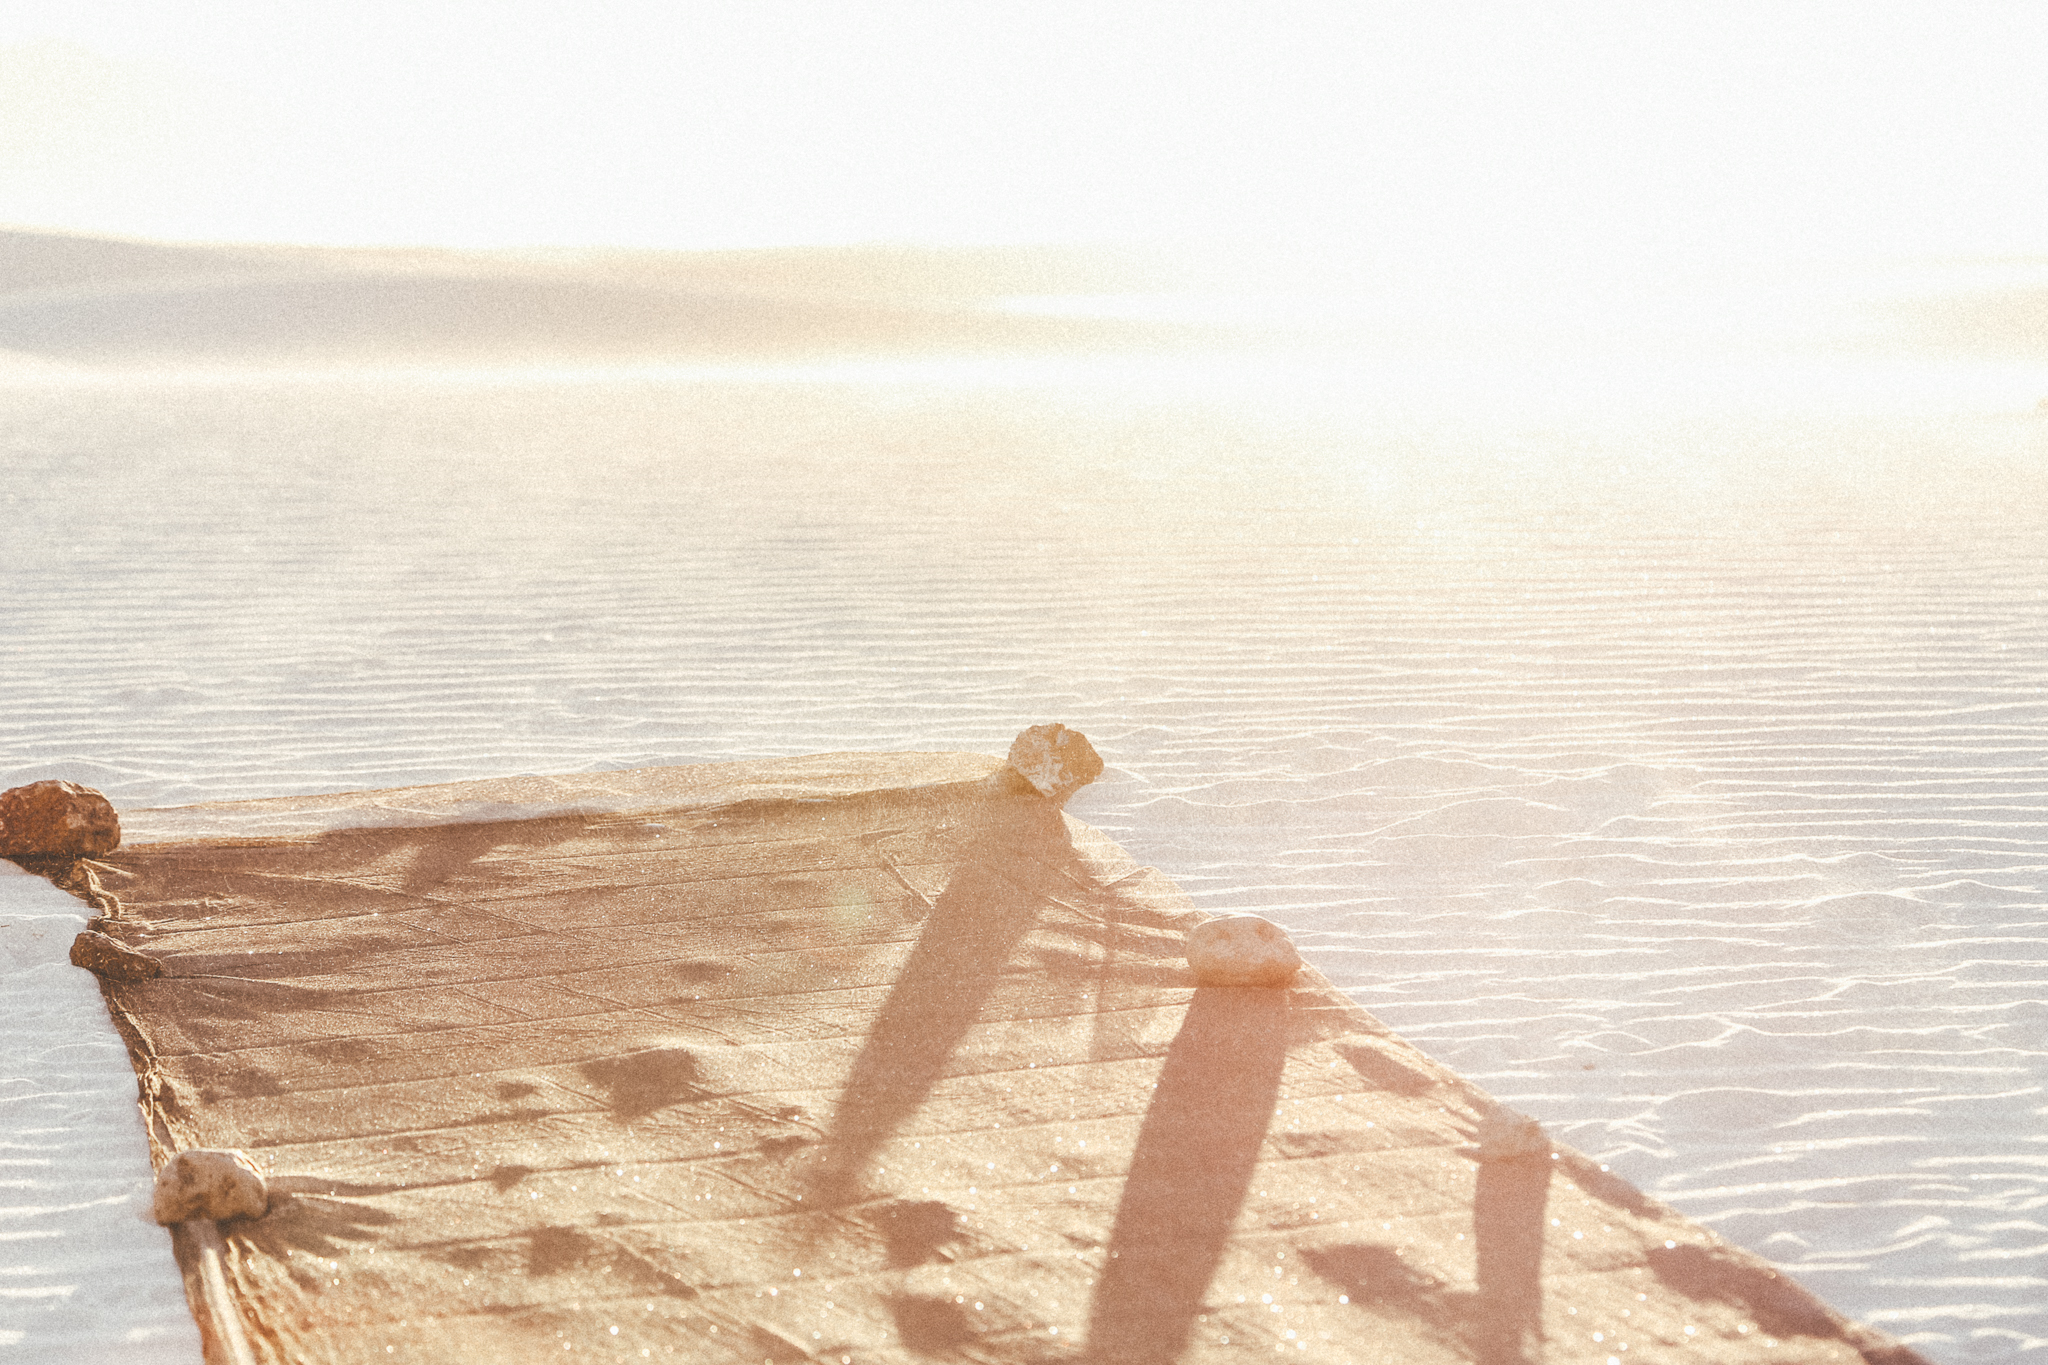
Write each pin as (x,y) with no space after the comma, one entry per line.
(1242,950)
(1055,760)
(204,1182)
(1505,1135)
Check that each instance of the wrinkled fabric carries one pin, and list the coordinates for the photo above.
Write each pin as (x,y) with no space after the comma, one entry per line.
(914,1068)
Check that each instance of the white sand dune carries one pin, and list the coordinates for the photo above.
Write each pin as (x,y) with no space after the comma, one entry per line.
(105,302)
(139,304)
(53,260)
(15,365)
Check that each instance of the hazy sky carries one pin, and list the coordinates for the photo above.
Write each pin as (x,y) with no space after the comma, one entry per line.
(1516,133)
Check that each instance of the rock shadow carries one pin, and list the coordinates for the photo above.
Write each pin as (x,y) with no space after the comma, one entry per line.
(441,853)
(974,927)
(1188,1178)
(931,1326)
(917,1231)
(1780,1306)
(1381,1066)
(1507,1217)
(563,1250)
(504,1177)
(309,1216)
(1500,1320)
(639,1083)
(1373,1275)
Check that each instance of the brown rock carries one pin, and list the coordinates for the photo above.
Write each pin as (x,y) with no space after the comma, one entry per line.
(1242,950)
(1055,760)
(202,1182)
(56,819)
(112,959)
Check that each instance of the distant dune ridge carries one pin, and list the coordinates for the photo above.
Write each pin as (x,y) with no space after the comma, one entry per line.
(101,301)
(73,300)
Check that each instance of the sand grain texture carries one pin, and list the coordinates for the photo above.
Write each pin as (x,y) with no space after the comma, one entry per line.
(911,1070)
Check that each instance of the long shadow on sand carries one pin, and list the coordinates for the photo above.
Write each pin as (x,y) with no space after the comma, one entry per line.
(1507,1218)
(988,906)
(1196,1153)
(1500,1320)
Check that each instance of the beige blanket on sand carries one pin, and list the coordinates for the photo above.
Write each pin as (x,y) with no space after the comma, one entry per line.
(855,1058)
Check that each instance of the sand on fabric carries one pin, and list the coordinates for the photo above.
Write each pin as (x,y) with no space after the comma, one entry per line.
(852,1058)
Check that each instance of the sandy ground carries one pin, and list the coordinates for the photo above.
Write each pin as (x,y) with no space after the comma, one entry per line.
(858,1057)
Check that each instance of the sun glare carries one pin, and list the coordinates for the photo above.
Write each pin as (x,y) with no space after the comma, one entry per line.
(1533,143)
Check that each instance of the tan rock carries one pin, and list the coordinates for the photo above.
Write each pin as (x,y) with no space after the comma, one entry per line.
(1056,761)
(56,819)
(1242,950)
(207,1183)
(110,958)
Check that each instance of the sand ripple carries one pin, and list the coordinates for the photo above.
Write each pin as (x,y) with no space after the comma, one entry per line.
(84,1275)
